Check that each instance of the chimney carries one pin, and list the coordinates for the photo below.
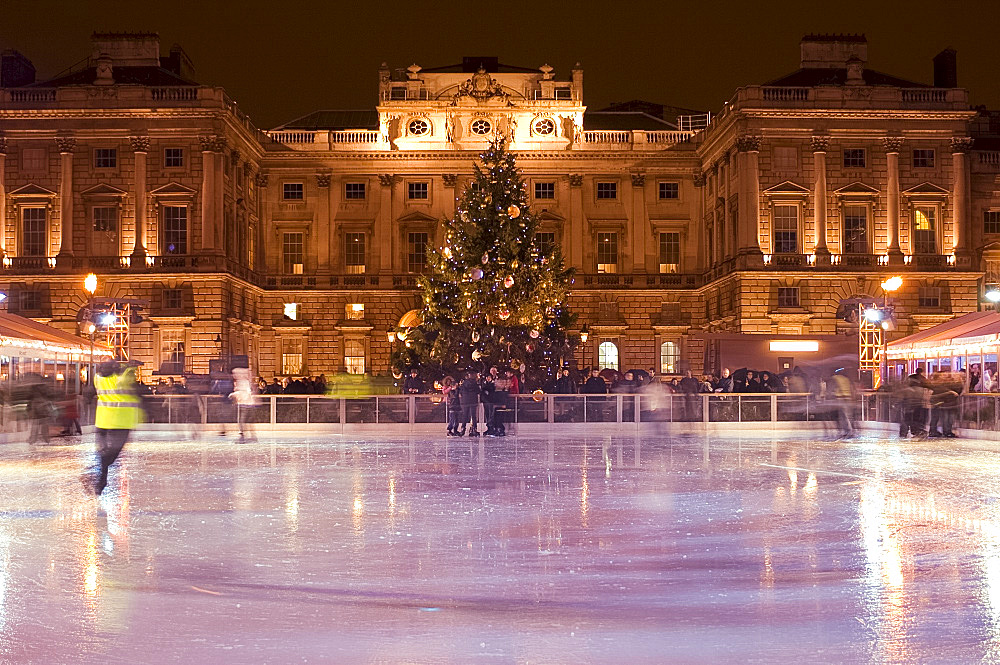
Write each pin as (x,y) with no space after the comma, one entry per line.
(832,51)
(946,69)
(15,70)
(178,63)
(127,49)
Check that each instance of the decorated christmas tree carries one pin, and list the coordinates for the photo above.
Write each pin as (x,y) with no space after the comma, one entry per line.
(493,295)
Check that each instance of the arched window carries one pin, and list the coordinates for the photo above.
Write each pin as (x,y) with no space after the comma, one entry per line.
(670,357)
(607,355)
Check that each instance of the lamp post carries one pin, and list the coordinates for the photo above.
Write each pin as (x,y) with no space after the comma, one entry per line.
(90,286)
(888,286)
(584,336)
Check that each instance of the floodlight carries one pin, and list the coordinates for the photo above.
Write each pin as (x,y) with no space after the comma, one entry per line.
(873,315)
(108,319)
(993,295)
(892,283)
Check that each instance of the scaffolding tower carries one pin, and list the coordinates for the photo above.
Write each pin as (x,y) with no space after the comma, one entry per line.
(869,347)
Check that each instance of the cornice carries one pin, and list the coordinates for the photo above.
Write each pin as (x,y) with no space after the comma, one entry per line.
(875,114)
(466,155)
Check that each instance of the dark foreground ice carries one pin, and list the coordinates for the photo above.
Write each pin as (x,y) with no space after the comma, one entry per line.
(529,551)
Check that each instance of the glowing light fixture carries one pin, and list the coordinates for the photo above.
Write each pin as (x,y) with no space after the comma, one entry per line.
(799,345)
(391,335)
(993,295)
(108,319)
(873,315)
(90,284)
(892,283)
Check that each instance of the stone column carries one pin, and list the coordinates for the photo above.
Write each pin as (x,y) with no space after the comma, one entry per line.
(702,259)
(960,146)
(210,192)
(66,147)
(576,223)
(748,231)
(140,146)
(892,145)
(324,229)
(819,146)
(384,232)
(3,197)
(640,227)
(260,256)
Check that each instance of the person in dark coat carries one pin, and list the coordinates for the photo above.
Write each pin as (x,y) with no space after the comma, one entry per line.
(595,385)
(565,385)
(626,385)
(689,387)
(468,395)
(413,385)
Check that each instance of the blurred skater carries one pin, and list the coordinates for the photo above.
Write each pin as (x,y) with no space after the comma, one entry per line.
(117,415)
(243,397)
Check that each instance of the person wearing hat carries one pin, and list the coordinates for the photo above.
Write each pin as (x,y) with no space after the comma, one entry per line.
(117,415)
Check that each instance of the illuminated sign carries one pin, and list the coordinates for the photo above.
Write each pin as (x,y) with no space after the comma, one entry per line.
(804,345)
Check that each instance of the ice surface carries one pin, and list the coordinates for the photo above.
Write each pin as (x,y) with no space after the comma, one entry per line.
(519,550)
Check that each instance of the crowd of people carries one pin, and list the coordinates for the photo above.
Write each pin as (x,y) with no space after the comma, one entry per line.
(928,407)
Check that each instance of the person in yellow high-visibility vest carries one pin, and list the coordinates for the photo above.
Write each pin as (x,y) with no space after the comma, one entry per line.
(118,412)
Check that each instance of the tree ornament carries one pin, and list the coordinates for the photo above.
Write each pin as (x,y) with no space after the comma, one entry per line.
(477,273)
(514,264)
(475,335)
(465,216)
(486,258)
(504,314)
(447,252)
(521,368)
(476,355)
(468,304)
(538,395)
(534,334)
(513,212)
(529,347)
(508,281)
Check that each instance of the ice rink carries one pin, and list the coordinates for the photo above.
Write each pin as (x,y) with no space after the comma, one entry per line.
(518,550)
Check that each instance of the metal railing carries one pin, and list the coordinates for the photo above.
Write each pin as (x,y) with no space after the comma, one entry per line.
(630,409)
(979,411)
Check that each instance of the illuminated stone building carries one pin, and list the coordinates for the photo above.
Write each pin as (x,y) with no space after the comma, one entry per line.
(300,247)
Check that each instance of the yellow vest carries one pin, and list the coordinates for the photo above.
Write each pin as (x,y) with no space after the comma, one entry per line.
(117,403)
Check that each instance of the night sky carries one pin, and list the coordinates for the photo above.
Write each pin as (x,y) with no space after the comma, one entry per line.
(280,60)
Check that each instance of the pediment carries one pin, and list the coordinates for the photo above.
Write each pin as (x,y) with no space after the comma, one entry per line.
(417,216)
(926,189)
(546,216)
(173,189)
(31,189)
(103,189)
(857,189)
(787,187)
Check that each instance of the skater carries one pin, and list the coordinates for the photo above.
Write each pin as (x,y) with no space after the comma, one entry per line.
(468,393)
(449,388)
(243,397)
(117,415)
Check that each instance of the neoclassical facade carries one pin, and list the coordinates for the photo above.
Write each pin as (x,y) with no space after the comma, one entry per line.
(300,247)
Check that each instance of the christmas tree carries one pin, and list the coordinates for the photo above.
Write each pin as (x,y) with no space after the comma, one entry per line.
(492,296)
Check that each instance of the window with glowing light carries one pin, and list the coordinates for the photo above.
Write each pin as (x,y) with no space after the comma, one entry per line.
(607,355)
(292,356)
(354,253)
(354,356)
(924,230)
(354,311)
(670,252)
(670,357)
(175,220)
(291,311)
(293,252)
(172,350)
(607,252)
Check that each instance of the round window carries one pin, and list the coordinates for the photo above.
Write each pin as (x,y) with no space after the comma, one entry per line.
(419,127)
(544,126)
(481,127)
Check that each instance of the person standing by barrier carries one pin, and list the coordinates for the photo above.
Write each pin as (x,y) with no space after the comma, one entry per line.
(450,391)
(468,393)
(689,387)
(944,404)
(118,407)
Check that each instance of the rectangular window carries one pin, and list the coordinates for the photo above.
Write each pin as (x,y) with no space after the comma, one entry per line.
(293,191)
(291,310)
(854,158)
(354,356)
(292,356)
(545,190)
(545,241)
(173,300)
(607,190)
(354,191)
(788,296)
(856,230)
(33,235)
(924,233)
(786,158)
(354,311)
(607,252)
(30,301)
(929,297)
(923,159)
(416,191)
(106,219)
(105,158)
(172,351)
(416,252)
(992,276)
(786,229)
(670,190)
(563,93)
(293,252)
(33,160)
(991,221)
(175,229)
(354,253)
(670,357)
(173,158)
(670,252)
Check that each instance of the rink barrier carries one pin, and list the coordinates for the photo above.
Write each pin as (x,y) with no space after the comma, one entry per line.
(976,411)
(527,412)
